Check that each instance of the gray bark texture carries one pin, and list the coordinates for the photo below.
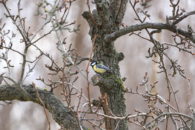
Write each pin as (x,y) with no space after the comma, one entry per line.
(106,19)
(61,114)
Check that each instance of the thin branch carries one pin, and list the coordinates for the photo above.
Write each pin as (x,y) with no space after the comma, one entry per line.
(113,36)
(44,108)
(168,114)
(183,17)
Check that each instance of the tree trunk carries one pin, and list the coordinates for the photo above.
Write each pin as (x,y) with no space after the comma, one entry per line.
(105,20)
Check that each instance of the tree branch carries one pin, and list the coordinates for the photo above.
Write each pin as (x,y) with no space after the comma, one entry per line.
(113,36)
(165,115)
(193,122)
(118,8)
(61,114)
(183,17)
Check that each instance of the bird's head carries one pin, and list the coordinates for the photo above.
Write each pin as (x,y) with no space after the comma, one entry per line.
(93,63)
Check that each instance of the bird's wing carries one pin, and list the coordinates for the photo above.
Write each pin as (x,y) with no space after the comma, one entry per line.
(103,67)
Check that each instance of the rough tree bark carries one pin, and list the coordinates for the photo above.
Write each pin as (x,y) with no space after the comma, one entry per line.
(61,114)
(106,19)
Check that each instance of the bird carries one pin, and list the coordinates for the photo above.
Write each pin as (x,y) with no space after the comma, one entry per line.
(99,68)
